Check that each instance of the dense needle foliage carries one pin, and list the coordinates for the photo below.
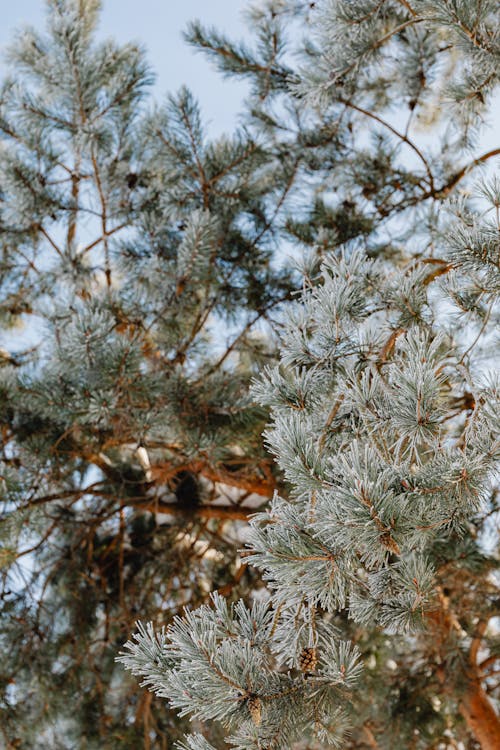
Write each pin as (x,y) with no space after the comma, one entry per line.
(384,405)
(145,272)
(136,259)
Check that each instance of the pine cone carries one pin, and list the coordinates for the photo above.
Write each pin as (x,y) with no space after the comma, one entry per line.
(308,660)
(255,707)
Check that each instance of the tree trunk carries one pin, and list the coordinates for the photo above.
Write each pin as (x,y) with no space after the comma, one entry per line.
(480,716)
(475,706)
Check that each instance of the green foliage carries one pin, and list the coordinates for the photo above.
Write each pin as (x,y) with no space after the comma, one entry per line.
(384,412)
(136,259)
(150,268)
(218,663)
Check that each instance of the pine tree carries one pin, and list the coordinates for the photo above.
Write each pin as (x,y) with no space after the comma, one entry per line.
(137,278)
(378,626)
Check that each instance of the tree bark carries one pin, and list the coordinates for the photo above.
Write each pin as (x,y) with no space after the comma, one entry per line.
(476,708)
(480,716)
(223,512)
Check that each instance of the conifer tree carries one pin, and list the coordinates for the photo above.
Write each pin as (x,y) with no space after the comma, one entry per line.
(136,267)
(377,629)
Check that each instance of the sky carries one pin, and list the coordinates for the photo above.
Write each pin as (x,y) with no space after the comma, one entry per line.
(158,25)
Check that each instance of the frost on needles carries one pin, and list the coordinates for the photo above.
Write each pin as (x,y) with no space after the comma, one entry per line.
(384,472)
(149,264)
(383,415)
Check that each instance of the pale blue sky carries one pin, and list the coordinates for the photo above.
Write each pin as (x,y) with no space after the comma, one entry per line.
(158,24)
